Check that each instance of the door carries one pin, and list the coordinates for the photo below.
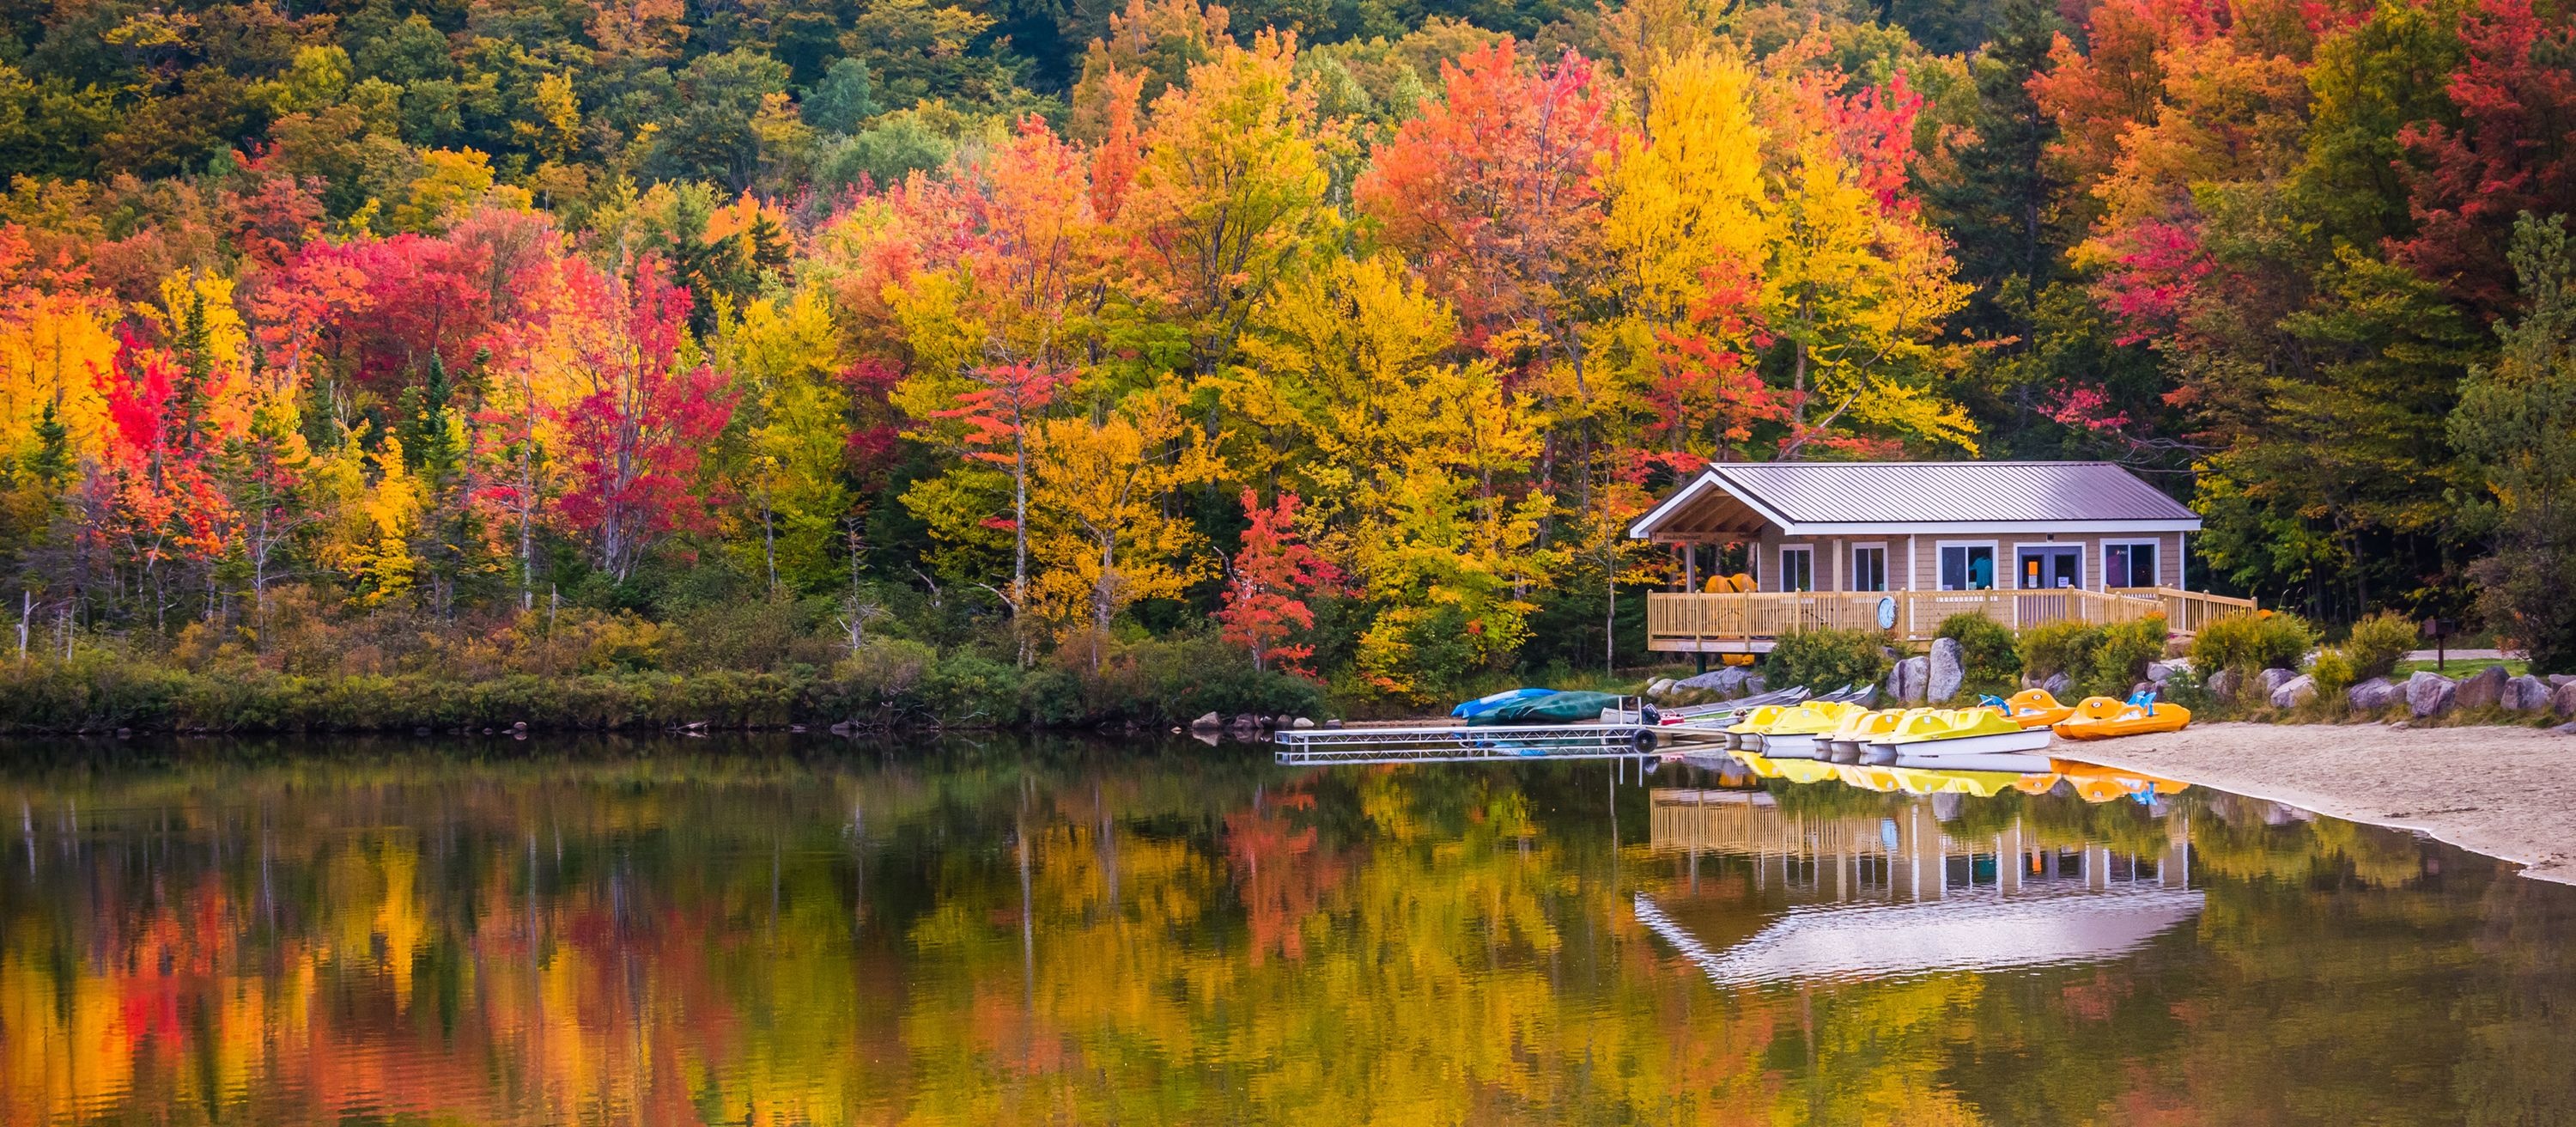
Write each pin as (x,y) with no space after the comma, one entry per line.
(2048,567)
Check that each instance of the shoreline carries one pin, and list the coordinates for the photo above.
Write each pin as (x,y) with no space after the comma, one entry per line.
(2505,792)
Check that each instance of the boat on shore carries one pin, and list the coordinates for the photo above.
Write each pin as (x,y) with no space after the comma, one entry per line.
(2101,718)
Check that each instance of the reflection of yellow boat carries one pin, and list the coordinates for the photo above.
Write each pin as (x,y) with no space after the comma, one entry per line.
(2036,708)
(2102,784)
(1981,784)
(2101,718)
(1794,770)
(1761,767)
(1881,779)
(1804,770)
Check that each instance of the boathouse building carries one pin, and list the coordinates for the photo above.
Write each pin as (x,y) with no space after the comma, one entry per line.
(1902,545)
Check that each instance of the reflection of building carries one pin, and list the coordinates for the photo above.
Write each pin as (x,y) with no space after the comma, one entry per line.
(1867,895)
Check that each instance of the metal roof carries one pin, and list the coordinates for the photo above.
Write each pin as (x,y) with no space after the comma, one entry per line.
(1978,932)
(1863,497)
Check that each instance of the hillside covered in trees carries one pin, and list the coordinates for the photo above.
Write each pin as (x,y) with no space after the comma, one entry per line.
(1001,344)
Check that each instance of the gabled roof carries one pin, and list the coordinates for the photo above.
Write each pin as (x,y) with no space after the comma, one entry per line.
(1978,931)
(1900,497)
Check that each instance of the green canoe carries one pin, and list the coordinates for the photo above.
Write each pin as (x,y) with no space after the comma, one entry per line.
(1554,708)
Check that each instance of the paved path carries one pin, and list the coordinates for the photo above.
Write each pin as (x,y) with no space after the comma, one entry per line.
(2461,655)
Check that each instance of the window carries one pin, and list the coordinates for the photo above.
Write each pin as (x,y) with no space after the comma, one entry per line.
(1967,567)
(1869,568)
(2131,564)
(2050,566)
(1797,569)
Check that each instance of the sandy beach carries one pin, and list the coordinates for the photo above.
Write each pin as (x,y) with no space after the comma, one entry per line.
(2505,792)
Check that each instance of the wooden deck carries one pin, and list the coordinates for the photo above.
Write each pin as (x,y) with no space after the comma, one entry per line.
(1752,622)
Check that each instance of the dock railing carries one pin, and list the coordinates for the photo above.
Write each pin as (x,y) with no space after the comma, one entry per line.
(1750,622)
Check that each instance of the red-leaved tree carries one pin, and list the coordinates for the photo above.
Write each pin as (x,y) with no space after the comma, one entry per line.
(2513,151)
(634,440)
(1261,600)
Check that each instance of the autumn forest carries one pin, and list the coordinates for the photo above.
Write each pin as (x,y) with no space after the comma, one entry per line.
(1005,361)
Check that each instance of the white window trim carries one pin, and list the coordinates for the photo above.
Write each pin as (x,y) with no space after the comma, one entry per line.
(1851,553)
(1783,553)
(1938,546)
(2155,542)
(2076,546)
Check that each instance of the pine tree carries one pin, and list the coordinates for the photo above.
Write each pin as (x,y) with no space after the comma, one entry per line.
(2518,420)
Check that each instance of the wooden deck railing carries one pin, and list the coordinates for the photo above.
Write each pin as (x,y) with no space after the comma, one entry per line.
(1686,623)
(2187,611)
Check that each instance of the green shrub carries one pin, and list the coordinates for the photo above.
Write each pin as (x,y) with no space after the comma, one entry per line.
(2334,672)
(2379,642)
(1987,652)
(966,690)
(1175,679)
(2052,648)
(1825,660)
(885,671)
(2121,660)
(2251,643)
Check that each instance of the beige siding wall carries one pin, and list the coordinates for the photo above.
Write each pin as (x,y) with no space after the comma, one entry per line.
(1833,554)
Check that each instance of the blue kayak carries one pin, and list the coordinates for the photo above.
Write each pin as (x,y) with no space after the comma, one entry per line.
(1484,704)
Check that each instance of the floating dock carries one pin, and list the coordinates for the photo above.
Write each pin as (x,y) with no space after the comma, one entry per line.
(1458,743)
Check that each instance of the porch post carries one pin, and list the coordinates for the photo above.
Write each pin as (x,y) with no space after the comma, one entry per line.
(1690,568)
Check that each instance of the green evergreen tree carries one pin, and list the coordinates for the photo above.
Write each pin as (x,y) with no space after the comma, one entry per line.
(2517,418)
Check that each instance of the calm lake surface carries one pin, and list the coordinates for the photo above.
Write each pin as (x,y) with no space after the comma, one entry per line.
(803,930)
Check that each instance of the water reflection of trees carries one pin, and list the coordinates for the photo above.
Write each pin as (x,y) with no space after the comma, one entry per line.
(1007,932)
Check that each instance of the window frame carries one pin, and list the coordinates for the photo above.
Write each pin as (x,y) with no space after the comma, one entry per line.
(2151,543)
(1808,550)
(1886,577)
(1940,566)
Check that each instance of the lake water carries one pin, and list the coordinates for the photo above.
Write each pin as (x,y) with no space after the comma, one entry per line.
(801,930)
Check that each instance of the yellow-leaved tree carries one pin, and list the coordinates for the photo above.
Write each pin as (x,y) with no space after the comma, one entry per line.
(1105,531)
(785,358)
(1415,467)
(374,504)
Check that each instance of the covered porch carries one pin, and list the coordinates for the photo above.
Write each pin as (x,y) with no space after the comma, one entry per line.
(1753,621)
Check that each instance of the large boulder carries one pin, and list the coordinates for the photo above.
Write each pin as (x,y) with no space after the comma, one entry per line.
(2270,681)
(2222,684)
(1207,722)
(2294,692)
(1659,688)
(2162,671)
(2430,694)
(1730,682)
(2562,700)
(1948,670)
(2482,689)
(2525,694)
(1909,679)
(2059,685)
(2373,695)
